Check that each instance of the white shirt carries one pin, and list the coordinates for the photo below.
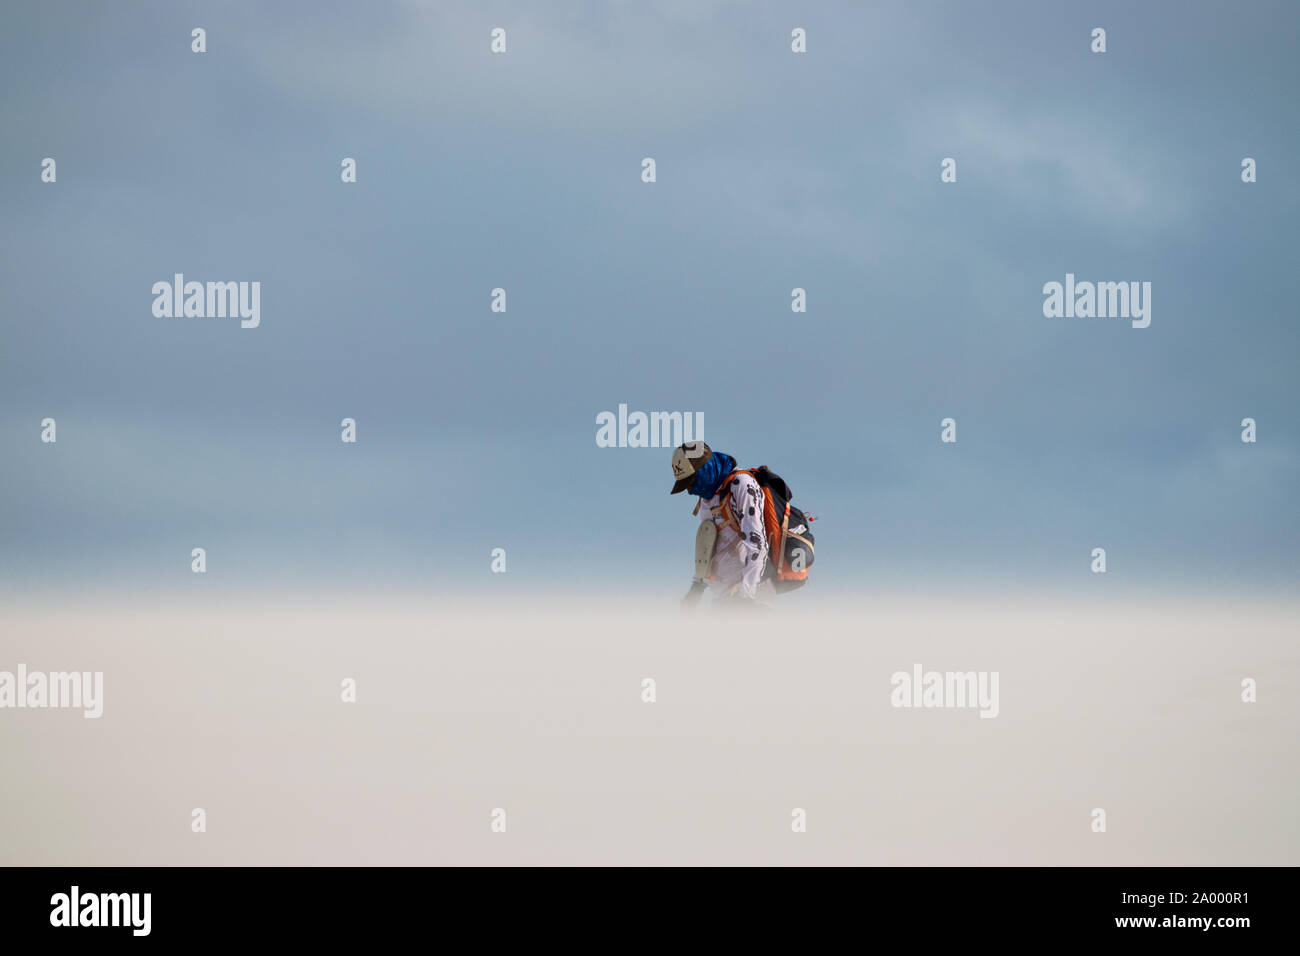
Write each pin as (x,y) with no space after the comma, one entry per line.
(738,556)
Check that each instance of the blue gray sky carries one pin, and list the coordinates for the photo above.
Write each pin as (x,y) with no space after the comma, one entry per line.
(775,170)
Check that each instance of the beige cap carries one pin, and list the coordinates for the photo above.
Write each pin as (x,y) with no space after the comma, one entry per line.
(687,460)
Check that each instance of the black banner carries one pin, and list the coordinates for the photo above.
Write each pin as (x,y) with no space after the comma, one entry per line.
(1151,906)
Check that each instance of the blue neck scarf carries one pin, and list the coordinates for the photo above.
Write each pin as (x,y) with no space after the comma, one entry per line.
(710,476)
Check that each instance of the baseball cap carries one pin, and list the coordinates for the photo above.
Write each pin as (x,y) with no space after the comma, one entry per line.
(687,460)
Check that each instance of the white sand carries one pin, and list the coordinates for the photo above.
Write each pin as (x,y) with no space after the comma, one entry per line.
(234,706)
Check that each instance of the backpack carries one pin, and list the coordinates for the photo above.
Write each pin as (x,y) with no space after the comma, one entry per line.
(787,529)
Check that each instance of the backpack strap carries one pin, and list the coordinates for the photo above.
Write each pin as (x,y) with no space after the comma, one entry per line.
(725,497)
(779,545)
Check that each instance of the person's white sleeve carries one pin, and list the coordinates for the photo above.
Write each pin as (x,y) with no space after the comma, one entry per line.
(705,539)
(747,506)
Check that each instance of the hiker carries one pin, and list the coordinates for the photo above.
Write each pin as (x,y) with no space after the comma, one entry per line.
(731,547)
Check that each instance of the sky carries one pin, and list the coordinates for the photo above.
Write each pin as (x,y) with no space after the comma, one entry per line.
(774,170)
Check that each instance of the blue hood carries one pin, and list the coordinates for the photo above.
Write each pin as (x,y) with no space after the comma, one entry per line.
(710,476)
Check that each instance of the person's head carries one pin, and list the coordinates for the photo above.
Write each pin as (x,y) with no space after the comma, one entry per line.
(687,460)
(698,469)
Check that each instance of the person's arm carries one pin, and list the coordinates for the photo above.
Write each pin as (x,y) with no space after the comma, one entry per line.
(705,539)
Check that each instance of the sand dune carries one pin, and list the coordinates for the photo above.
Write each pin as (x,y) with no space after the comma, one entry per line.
(235,707)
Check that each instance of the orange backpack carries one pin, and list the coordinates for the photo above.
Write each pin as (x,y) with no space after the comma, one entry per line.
(787,529)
